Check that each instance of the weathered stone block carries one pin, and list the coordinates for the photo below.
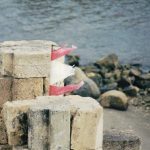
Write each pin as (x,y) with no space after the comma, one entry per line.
(5,90)
(15,119)
(46,86)
(28,88)
(49,123)
(119,140)
(3,134)
(5,147)
(20,147)
(24,59)
(86,123)
(52,125)
(6,62)
(31,64)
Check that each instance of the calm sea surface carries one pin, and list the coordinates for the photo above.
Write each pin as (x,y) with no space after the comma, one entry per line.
(97,27)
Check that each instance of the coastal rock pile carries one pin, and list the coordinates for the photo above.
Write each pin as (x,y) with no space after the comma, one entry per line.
(108,74)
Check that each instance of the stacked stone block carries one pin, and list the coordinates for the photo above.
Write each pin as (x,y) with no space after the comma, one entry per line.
(64,123)
(24,72)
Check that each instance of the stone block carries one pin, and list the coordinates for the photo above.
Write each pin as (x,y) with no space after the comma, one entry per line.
(121,140)
(28,88)
(15,119)
(20,147)
(6,62)
(31,64)
(46,86)
(52,125)
(5,147)
(24,59)
(3,134)
(86,123)
(5,90)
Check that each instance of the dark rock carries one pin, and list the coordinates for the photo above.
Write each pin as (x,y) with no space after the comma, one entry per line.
(145,76)
(148,90)
(108,75)
(114,99)
(117,74)
(143,81)
(125,73)
(136,65)
(108,87)
(111,61)
(103,71)
(72,60)
(131,90)
(135,72)
(120,140)
(79,76)
(89,89)
(95,77)
(108,81)
(90,68)
(124,82)
(142,92)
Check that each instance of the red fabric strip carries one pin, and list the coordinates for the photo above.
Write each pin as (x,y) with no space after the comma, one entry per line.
(61,52)
(54,90)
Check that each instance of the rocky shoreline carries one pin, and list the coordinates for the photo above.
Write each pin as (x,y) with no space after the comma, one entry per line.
(107,74)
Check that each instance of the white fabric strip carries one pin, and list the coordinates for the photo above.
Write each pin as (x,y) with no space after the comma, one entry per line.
(59,71)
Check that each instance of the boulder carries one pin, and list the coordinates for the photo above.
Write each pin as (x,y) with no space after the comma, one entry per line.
(111,61)
(89,89)
(90,68)
(143,81)
(108,87)
(114,99)
(131,90)
(135,72)
(72,60)
(124,82)
(95,77)
(117,74)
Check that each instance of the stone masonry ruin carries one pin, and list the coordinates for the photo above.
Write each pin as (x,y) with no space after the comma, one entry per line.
(29,118)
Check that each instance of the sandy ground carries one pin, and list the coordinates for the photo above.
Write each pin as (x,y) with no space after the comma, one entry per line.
(133,119)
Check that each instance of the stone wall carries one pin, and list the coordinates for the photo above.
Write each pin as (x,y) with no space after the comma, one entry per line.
(24,72)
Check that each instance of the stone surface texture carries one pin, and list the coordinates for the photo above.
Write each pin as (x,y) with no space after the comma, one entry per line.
(15,119)
(87,123)
(119,140)
(3,135)
(28,88)
(5,90)
(52,125)
(24,59)
(70,122)
(5,147)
